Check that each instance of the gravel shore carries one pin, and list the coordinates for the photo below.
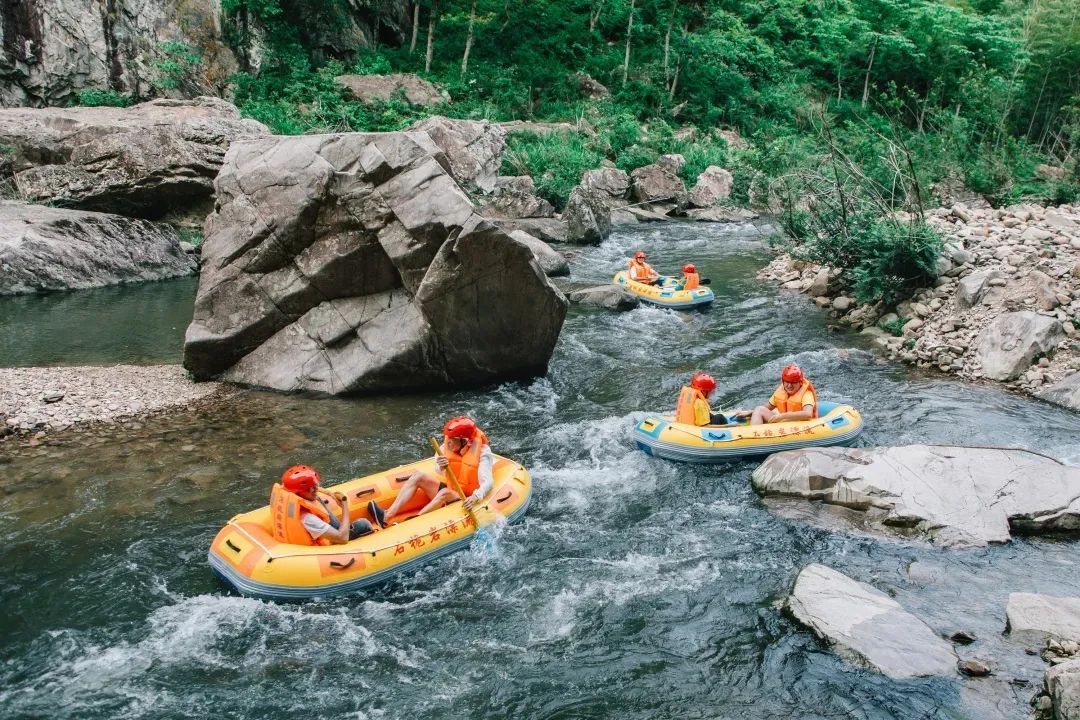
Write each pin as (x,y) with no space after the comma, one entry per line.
(1005,306)
(37,399)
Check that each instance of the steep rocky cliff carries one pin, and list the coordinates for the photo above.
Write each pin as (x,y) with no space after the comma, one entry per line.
(52,49)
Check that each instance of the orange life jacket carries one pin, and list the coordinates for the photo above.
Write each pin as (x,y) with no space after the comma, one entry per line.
(691,281)
(684,410)
(641,272)
(286,515)
(466,466)
(793,403)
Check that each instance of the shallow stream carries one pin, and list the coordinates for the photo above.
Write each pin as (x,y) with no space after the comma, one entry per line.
(634,587)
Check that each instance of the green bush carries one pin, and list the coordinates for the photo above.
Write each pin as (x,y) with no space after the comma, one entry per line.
(895,327)
(555,161)
(103,98)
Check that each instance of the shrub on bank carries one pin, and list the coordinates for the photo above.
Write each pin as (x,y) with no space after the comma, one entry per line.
(103,98)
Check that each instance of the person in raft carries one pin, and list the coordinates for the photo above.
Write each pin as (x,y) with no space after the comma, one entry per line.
(693,406)
(641,271)
(465,450)
(795,399)
(303,515)
(690,279)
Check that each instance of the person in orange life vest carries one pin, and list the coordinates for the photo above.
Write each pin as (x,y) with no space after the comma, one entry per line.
(465,450)
(318,510)
(641,271)
(795,399)
(693,406)
(690,279)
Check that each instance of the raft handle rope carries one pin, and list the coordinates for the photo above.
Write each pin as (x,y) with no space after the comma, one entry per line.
(231,546)
(822,421)
(341,565)
(366,491)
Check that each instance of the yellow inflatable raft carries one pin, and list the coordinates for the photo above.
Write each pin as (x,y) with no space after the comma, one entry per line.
(247,558)
(665,438)
(664,293)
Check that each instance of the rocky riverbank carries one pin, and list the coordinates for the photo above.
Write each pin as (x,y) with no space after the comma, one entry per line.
(38,400)
(1005,305)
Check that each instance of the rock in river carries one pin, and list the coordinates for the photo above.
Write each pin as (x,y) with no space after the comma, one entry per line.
(1057,616)
(1065,392)
(866,626)
(154,159)
(355,263)
(1009,344)
(45,248)
(1063,686)
(957,496)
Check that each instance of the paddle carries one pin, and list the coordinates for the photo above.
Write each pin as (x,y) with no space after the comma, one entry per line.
(482,535)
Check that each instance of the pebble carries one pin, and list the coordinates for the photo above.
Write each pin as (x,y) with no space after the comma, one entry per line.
(963,637)
(973,668)
(1044,703)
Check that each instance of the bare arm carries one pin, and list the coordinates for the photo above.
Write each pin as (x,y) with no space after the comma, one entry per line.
(341,535)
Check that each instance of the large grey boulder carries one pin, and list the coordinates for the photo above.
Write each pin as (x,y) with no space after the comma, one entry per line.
(515,197)
(44,248)
(713,186)
(971,289)
(588,217)
(51,50)
(151,160)
(608,297)
(1009,344)
(1063,687)
(354,263)
(610,183)
(955,496)
(658,182)
(1045,614)
(552,230)
(380,88)
(1065,392)
(553,263)
(472,149)
(866,626)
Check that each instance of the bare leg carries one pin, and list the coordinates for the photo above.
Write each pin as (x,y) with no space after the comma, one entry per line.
(443,497)
(417,480)
(761,415)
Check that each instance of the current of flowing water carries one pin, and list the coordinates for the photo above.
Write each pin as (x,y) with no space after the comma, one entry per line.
(633,588)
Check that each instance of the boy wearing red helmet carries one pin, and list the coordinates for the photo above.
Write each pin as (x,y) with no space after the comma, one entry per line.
(795,399)
(693,405)
(465,450)
(302,515)
(690,279)
(641,271)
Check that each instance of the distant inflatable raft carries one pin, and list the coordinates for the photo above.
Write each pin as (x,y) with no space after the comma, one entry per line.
(247,558)
(665,438)
(664,293)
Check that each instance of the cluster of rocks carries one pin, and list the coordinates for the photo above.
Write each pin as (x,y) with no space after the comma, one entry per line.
(1004,307)
(41,399)
(1059,618)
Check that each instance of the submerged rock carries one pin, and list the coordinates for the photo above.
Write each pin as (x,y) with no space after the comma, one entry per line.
(151,160)
(1056,616)
(866,626)
(956,496)
(367,269)
(45,249)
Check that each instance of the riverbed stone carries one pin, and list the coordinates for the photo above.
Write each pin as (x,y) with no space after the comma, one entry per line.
(866,626)
(550,230)
(970,289)
(367,270)
(155,159)
(1008,345)
(588,217)
(1058,617)
(1065,392)
(609,297)
(955,496)
(515,196)
(45,249)
(656,183)
(713,186)
(1063,686)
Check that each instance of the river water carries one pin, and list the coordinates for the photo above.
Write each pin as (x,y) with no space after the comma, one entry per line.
(633,588)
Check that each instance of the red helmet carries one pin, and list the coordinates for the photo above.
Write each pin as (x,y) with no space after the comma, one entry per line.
(460,427)
(300,478)
(639,255)
(689,268)
(792,373)
(703,382)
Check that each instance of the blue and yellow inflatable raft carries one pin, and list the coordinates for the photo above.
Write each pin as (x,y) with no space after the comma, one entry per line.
(664,293)
(662,437)
(247,558)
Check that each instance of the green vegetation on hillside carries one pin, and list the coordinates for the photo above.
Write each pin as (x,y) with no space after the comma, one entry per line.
(940,96)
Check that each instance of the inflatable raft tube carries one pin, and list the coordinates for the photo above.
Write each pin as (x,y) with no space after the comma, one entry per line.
(662,437)
(248,559)
(664,293)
